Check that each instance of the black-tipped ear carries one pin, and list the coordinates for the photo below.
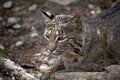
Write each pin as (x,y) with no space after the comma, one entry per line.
(47,15)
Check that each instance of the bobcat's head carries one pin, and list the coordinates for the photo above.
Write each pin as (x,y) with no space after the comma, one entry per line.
(57,28)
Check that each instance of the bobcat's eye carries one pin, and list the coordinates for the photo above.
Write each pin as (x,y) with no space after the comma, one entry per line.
(47,36)
(61,39)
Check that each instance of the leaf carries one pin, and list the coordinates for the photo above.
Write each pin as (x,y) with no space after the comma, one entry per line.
(2,52)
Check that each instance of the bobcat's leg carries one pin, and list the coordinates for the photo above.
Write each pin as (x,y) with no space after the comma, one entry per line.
(47,73)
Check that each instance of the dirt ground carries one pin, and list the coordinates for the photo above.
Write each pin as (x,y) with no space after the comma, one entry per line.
(32,22)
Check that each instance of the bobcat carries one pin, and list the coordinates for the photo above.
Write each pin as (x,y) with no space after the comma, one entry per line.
(90,45)
(63,34)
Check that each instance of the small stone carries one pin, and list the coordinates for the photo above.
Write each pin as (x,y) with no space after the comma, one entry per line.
(52,61)
(43,67)
(98,10)
(19,43)
(1,78)
(91,6)
(17,26)
(45,53)
(113,69)
(64,2)
(34,34)
(1,47)
(7,4)
(32,7)
(37,54)
(41,58)
(46,59)
(92,12)
(12,20)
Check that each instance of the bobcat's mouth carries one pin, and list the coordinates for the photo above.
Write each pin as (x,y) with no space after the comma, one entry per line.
(56,51)
(60,49)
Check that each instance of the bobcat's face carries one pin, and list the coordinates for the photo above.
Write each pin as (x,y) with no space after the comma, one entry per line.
(54,31)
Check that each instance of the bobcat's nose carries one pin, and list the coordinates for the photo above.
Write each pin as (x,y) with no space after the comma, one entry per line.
(51,47)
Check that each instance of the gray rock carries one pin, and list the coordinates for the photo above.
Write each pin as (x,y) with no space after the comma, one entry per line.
(79,76)
(1,47)
(45,59)
(12,20)
(7,4)
(17,26)
(1,78)
(113,74)
(34,34)
(19,43)
(45,53)
(113,69)
(41,57)
(91,6)
(64,2)
(52,61)
(32,7)
(93,12)
(43,67)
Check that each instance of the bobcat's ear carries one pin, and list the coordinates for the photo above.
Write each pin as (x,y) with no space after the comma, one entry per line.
(75,19)
(75,22)
(47,15)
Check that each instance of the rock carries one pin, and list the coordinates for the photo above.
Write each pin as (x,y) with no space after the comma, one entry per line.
(45,53)
(112,74)
(7,4)
(64,2)
(52,61)
(34,34)
(91,6)
(1,47)
(43,67)
(1,78)
(46,59)
(113,69)
(95,11)
(32,7)
(92,12)
(79,76)
(41,58)
(12,20)
(17,26)
(37,54)
(98,10)
(19,43)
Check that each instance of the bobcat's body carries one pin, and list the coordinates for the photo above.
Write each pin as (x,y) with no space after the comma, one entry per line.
(89,46)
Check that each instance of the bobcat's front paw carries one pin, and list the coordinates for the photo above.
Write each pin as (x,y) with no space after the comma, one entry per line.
(45,77)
